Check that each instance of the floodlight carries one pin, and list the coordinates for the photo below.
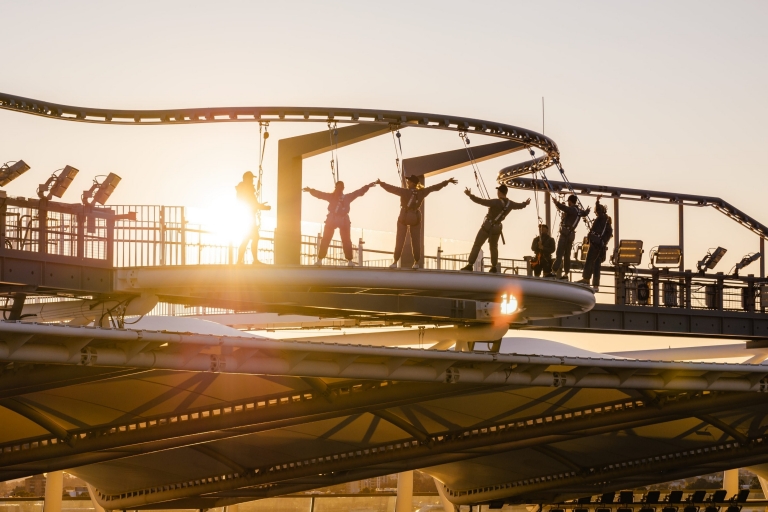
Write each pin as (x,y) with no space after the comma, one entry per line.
(508,304)
(100,191)
(711,260)
(746,260)
(629,252)
(666,255)
(9,171)
(57,184)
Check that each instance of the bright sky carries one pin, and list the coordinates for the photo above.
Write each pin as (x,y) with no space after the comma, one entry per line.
(657,95)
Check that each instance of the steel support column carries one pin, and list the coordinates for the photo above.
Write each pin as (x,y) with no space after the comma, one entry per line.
(681,236)
(404,501)
(54,488)
(290,154)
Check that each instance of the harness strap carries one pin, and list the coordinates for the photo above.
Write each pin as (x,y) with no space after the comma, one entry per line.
(503,212)
(339,203)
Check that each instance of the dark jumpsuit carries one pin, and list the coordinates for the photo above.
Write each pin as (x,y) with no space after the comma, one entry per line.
(410,215)
(599,235)
(338,217)
(491,228)
(544,255)
(572,216)
(246,192)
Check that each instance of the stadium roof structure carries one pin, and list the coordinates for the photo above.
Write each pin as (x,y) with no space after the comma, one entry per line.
(251,417)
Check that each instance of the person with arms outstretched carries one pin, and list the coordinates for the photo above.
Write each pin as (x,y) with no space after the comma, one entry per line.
(409,219)
(491,229)
(338,217)
(246,193)
(572,214)
(599,236)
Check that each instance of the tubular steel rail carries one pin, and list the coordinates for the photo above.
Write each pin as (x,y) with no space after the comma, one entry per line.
(651,196)
(292,114)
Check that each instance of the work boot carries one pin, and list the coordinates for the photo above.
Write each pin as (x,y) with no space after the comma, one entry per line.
(394,265)
(416,265)
(493,270)
(595,288)
(468,268)
(318,262)
(351,263)
(549,275)
(583,281)
(564,277)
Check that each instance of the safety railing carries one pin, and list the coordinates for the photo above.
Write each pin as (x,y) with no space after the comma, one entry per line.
(683,290)
(49,230)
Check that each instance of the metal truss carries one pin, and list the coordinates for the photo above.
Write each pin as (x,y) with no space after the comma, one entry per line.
(86,346)
(686,462)
(396,119)
(651,196)
(71,448)
(444,447)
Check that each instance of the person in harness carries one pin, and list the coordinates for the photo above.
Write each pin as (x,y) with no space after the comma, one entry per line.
(599,235)
(542,246)
(572,214)
(338,217)
(491,229)
(246,193)
(409,219)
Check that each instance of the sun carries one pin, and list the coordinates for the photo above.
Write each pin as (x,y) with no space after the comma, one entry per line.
(225,220)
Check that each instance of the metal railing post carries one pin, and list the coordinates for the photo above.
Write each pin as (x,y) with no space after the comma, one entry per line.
(162,235)
(81,220)
(750,298)
(719,288)
(3,218)
(439,259)
(183,237)
(110,256)
(619,289)
(687,288)
(42,226)
(360,249)
(655,279)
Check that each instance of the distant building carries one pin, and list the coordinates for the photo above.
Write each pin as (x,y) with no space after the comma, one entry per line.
(35,485)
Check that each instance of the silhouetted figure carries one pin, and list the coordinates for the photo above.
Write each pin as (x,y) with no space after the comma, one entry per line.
(246,192)
(491,229)
(411,198)
(599,236)
(542,246)
(572,214)
(338,217)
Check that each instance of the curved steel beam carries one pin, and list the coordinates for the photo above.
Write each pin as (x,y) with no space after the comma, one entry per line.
(721,425)
(36,416)
(395,118)
(403,425)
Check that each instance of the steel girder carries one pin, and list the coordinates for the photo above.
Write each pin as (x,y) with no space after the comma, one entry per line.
(175,351)
(444,447)
(220,421)
(526,138)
